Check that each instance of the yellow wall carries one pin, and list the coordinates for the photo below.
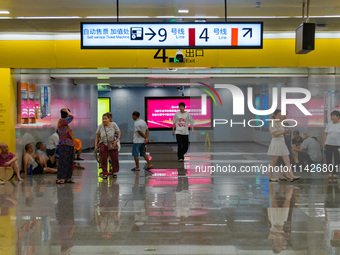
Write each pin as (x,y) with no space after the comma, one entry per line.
(8,233)
(7,108)
(67,54)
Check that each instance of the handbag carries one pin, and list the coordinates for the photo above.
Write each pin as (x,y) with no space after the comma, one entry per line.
(110,144)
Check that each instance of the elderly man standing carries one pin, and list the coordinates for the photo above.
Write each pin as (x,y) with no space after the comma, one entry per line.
(8,159)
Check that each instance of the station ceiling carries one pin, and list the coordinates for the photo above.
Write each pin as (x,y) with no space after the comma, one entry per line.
(64,16)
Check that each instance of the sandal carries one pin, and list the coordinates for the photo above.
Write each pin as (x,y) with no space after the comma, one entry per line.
(104,176)
(148,168)
(69,181)
(114,175)
(283,179)
(59,181)
(135,170)
(273,180)
(295,178)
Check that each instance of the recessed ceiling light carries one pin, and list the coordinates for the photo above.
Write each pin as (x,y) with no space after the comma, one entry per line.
(101,17)
(4,12)
(51,17)
(183,11)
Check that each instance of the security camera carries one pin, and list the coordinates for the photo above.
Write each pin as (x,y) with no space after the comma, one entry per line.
(179,56)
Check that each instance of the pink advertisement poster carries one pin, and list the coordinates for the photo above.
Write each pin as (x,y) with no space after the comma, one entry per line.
(161,111)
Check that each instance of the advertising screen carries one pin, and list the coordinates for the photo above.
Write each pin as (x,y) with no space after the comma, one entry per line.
(159,111)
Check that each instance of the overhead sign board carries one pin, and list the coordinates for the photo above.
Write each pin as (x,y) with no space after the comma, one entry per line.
(171,35)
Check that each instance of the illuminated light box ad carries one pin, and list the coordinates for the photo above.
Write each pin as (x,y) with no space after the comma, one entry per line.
(160,111)
(171,35)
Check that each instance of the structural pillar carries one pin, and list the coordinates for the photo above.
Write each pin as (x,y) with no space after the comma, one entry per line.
(7,108)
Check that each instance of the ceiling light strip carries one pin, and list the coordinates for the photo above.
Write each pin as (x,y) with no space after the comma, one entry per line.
(170,16)
(144,75)
(51,17)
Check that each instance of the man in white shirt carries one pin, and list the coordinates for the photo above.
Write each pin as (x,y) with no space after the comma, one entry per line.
(181,121)
(140,138)
(52,143)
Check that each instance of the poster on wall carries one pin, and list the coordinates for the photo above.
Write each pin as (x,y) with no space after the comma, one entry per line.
(45,100)
(34,102)
(159,111)
(24,104)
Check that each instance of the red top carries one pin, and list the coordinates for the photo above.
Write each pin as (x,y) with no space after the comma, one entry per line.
(3,160)
(66,136)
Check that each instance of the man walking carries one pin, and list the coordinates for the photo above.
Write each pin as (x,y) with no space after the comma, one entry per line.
(181,121)
(140,138)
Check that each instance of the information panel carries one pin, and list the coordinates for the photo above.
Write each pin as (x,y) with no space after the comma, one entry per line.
(171,35)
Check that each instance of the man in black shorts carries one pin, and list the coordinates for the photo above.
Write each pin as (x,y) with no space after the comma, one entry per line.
(49,161)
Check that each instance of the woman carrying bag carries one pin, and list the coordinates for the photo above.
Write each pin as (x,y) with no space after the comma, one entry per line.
(106,141)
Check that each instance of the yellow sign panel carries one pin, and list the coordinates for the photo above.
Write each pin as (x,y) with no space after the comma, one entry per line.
(67,54)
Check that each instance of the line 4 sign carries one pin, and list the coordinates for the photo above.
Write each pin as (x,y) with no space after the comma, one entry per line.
(171,35)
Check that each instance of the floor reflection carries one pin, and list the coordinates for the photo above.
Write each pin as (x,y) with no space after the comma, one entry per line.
(107,210)
(280,214)
(65,217)
(170,211)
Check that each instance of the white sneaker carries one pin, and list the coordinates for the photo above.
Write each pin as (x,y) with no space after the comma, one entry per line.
(181,160)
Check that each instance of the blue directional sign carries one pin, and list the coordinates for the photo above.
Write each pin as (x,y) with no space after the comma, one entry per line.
(171,35)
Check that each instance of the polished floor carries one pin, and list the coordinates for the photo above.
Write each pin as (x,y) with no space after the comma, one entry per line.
(184,210)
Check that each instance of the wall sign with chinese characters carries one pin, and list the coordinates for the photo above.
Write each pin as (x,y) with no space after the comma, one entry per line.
(171,35)
(190,55)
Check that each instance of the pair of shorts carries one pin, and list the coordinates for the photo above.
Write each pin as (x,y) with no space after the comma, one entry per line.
(138,149)
(50,164)
(50,153)
(38,170)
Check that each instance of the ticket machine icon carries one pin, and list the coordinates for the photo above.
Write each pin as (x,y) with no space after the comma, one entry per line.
(136,33)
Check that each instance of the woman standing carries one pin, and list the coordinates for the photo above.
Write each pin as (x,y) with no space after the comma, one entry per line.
(278,148)
(65,147)
(107,142)
(332,144)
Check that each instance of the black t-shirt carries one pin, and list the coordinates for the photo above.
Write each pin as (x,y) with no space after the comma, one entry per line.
(297,142)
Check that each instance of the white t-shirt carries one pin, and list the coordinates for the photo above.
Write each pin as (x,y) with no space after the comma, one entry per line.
(333,131)
(52,141)
(42,154)
(182,120)
(139,125)
(312,149)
